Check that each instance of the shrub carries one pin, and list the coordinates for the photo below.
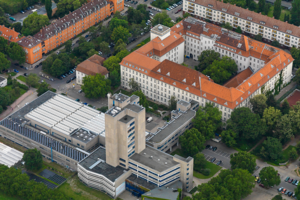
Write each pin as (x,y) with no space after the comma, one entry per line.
(205,172)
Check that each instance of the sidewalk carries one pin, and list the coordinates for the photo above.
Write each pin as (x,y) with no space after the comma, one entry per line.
(286,89)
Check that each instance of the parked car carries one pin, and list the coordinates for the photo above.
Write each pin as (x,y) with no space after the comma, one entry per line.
(280,189)
(261,185)
(283,190)
(287,179)
(286,192)
(79,91)
(16,71)
(12,19)
(290,194)
(259,180)
(25,74)
(219,163)
(294,182)
(88,40)
(99,52)
(22,12)
(78,100)
(86,36)
(68,81)
(207,146)
(256,179)
(214,148)
(291,180)
(213,160)
(297,183)
(74,77)
(85,104)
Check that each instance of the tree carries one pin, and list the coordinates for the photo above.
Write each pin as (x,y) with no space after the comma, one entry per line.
(271,149)
(4,63)
(277,9)
(120,46)
(68,46)
(122,54)
(243,160)
(172,103)
(16,52)
(248,125)
(238,29)
(95,86)
(33,159)
(114,77)
(295,14)
(17,26)
(220,187)
(81,40)
(297,191)
(258,37)
(221,70)
(43,87)
(1,12)
(271,101)
(277,197)
(162,18)
(269,177)
(120,33)
(34,23)
(112,63)
(199,162)
(32,80)
(93,32)
(275,43)
(3,21)
(115,23)
(48,7)
(25,4)
(192,142)
(227,26)
(206,58)
(271,116)
(267,8)
(104,47)
(283,129)
(297,77)
(293,155)
(57,68)
(208,120)
(259,104)
(3,45)
(143,99)
(261,5)
(92,52)
(285,107)
(298,147)
(229,137)
(134,86)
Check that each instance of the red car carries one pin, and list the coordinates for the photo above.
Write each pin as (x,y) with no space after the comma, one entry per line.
(261,185)
(291,180)
(283,191)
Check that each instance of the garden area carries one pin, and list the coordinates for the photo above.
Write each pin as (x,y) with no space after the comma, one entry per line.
(162,4)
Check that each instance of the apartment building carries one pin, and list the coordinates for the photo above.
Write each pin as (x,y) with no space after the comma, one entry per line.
(32,47)
(9,34)
(161,80)
(253,23)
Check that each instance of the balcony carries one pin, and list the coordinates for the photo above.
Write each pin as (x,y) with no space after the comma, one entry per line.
(208,9)
(261,31)
(287,36)
(260,34)
(273,35)
(223,18)
(208,17)
(248,26)
(287,40)
(235,26)
(191,8)
(273,31)
(222,21)
(235,18)
(286,43)
(248,29)
(236,22)
(191,11)
(249,23)
(223,14)
(191,4)
(208,13)
(273,38)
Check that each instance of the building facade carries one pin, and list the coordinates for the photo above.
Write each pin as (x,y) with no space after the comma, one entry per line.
(3,81)
(161,80)
(250,22)
(9,34)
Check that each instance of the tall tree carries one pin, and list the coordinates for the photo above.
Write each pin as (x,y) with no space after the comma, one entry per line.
(32,80)
(277,197)
(134,86)
(283,130)
(271,149)
(143,99)
(43,87)
(271,117)
(120,33)
(68,46)
(4,62)
(259,104)
(285,107)
(277,9)
(17,26)
(33,23)
(96,86)
(297,77)
(206,58)
(229,137)
(16,52)
(243,160)
(25,4)
(261,5)
(104,47)
(112,63)
(208,120)
(33,159)
(192,142)
(199,162)
(271,101)
(295,14)
(293,155)
(269,177)
(172,103)
(114,76)
(58,68)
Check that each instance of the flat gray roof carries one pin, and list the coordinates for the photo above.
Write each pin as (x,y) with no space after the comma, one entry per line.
(160,29)
(84,135)
(184,103)
(182,158)
(142,182)
(133,97)
(134,107)
(126,119)
(154,159)
(165,192)
(120,97)
(93,164)
(172,126)
(2,78)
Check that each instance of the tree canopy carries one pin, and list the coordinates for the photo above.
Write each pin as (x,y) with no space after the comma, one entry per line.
(269,176)
(162,18)
(221,70)
(271,149)
(33,23)
(259,104)
(16,52)
(143,99)
(206,58)
(32,80)
(277,9)
(33,159)
(208,120)
(43,87)
(120,33)
(4,62)
(192,142)
(95,86)
(243,160)
(65,6)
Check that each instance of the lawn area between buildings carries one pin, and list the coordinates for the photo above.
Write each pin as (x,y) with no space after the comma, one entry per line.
(213,167)
(76,190)
(22,78)
(283,11)
(285,155)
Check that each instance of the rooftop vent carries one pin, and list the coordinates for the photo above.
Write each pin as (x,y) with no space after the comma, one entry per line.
(160,28)
(166,163)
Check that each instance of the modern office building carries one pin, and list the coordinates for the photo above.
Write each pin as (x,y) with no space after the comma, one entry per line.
(108,150)
(91,66)
(250,22)
(259,66)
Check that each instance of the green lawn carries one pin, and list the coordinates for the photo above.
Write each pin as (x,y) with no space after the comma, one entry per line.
(88,193)
(283,11)
(213,170)
(245,145)
(12,73)
(22,78)
(9,87)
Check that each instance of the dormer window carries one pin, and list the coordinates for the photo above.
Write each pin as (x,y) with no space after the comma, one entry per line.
(237,14)
(209,5)
(276,27)
(289,31)
(249,18)
(224,9)
(262,22)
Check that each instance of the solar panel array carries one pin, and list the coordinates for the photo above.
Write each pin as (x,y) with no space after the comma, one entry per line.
(44,140)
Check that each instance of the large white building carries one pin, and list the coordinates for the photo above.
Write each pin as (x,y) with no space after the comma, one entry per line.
(258,65)
(250,22)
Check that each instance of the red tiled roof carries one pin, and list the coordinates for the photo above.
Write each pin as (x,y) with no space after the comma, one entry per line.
(92,66)
(9,34)
(232,93)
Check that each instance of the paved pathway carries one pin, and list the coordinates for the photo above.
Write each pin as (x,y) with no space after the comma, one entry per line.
(261,141)
(286,89)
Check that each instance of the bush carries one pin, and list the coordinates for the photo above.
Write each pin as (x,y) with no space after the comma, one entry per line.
(205,172)
(1,109)
(103,109)
(24,87)
(155,107)
(53,89)
(167,118)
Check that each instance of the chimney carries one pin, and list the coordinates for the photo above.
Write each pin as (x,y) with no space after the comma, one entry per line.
(247,8)
(273,17)
(286,21)
(259,12)
(234,4)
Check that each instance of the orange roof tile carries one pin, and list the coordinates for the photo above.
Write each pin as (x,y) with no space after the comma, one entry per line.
(92,66)
(9,34)
(238,79)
